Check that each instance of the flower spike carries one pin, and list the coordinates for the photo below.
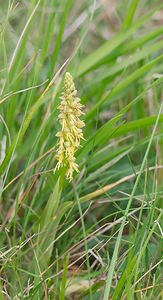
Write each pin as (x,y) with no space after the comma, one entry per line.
(70,135)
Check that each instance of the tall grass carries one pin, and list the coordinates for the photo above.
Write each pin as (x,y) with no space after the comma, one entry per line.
(99,236)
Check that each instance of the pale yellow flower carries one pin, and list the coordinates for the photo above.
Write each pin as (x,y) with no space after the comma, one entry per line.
(71,132)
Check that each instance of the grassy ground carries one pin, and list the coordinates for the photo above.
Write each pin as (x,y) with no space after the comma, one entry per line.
(99,236)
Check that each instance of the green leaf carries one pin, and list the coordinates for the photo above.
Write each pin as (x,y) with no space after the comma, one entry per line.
(130,14)
(109,46)
(125,83)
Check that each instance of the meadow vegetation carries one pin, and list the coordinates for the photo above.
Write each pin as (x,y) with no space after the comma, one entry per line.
(97,233)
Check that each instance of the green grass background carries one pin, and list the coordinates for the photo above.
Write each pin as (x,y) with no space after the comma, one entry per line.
(100,236)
